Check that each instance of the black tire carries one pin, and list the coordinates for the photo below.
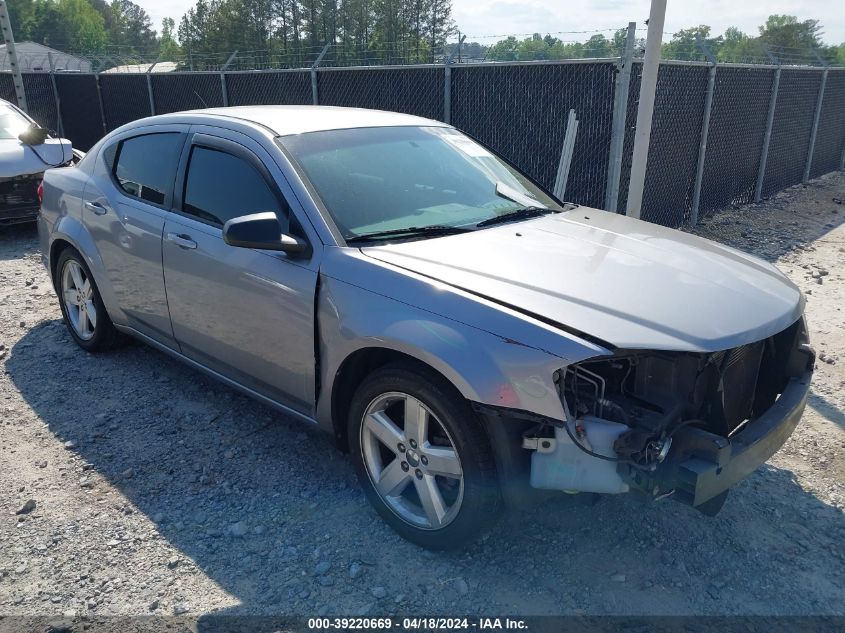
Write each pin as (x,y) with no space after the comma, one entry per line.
(481,504)
(105,336)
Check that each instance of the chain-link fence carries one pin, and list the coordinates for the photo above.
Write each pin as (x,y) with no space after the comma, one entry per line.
(721,135)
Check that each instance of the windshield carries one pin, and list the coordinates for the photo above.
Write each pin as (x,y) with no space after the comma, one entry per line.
(12,122)
(373,180)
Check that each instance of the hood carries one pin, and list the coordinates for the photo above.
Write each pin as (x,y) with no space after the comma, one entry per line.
(625,282)
(17,159)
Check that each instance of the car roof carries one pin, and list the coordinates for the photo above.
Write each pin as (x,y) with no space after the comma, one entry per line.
(284,120)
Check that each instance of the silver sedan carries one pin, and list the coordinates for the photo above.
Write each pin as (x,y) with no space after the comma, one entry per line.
(466,337)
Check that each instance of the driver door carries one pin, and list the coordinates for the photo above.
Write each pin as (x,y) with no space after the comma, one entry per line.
(246,314)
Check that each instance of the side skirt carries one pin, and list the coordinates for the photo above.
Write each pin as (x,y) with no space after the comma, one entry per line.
(218,376)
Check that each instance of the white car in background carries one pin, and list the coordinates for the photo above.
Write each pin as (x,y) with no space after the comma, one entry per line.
(26,150)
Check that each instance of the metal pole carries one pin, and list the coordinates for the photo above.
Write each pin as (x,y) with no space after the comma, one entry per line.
(150,92)
(648,86)
(815,130)
(447,81)
(100,99)
(842,160)
(11,52)
(620,112)
(224,86)
(59,125)
(764,155)
(566,156)
(315,95)
(705,131)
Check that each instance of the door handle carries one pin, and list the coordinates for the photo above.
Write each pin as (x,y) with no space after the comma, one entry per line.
(96,208)
(182,241)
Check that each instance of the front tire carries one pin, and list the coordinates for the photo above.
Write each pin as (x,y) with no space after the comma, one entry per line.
(82,308)
(423,458)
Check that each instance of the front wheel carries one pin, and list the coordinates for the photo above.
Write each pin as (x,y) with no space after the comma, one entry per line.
(423,458)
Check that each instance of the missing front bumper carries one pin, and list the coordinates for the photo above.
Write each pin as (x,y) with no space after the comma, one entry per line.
(703,465)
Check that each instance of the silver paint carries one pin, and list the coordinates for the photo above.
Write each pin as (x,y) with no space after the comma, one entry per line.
(496,311)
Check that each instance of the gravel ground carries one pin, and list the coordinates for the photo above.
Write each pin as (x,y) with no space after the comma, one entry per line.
(158,491)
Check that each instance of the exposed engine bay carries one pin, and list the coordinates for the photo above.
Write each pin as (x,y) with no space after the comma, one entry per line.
(633,417)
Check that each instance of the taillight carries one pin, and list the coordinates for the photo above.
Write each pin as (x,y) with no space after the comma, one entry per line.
(40,192)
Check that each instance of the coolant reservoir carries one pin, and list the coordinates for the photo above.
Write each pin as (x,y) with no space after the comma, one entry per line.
(564,466)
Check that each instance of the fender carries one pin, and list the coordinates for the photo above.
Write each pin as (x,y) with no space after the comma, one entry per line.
(486,367)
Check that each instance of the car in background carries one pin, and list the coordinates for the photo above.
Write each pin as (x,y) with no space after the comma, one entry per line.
(465,336)
(26,150)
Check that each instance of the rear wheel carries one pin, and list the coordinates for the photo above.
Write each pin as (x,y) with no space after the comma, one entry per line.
(82,308)
(423,458)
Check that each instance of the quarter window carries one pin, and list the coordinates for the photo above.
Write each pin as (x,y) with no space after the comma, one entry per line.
(220,186)
(146,165)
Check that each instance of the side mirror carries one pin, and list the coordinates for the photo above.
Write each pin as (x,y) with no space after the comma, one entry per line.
(261,230)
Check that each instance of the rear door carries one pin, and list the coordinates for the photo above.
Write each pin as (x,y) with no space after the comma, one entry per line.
(247,314)
(126,203)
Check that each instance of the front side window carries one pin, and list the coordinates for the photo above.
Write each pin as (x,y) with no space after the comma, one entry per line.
(390,178)
(146,165)
(220,186)
(12,122)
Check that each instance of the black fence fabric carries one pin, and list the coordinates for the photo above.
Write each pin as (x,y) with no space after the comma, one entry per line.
(40,99)
(7,88)
(186,91)
(735,140)
(79,103)
(269,88)
(794,112)
(675,140)
(521,111)
(830,138)
(416,91)
(126,98)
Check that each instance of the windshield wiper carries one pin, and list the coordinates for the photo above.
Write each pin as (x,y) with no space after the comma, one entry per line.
(516,214)
(410,231)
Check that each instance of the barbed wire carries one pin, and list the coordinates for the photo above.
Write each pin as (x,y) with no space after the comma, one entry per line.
(126,59)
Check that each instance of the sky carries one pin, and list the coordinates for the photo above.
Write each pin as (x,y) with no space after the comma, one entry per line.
(505,17)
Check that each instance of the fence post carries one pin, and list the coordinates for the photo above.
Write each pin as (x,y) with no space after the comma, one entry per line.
(100,99)
(705,129)
(315,95)
(764,155)
(620,113)
(11,52)
(59,125)
(565,163)
(645,109)
(842,160)
(150,88)
(224,87)
(447,81)
(815,129)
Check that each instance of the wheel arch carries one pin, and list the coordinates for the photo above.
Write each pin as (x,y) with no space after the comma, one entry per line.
(70,232)
(354,370)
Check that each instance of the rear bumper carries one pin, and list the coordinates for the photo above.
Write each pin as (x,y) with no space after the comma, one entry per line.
(703,465)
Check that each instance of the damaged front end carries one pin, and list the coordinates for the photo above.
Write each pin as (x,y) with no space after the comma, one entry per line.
(19,198)
(684,424)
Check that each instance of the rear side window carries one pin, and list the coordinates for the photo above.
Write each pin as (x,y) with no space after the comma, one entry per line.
(220,186)
(146,165)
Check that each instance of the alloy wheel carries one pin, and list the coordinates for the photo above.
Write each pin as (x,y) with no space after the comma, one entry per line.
(78,298)
(412,461)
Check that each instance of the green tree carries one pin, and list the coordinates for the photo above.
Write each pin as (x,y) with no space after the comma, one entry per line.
(131,27)
(169,49)
(66,24)
(786,31)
